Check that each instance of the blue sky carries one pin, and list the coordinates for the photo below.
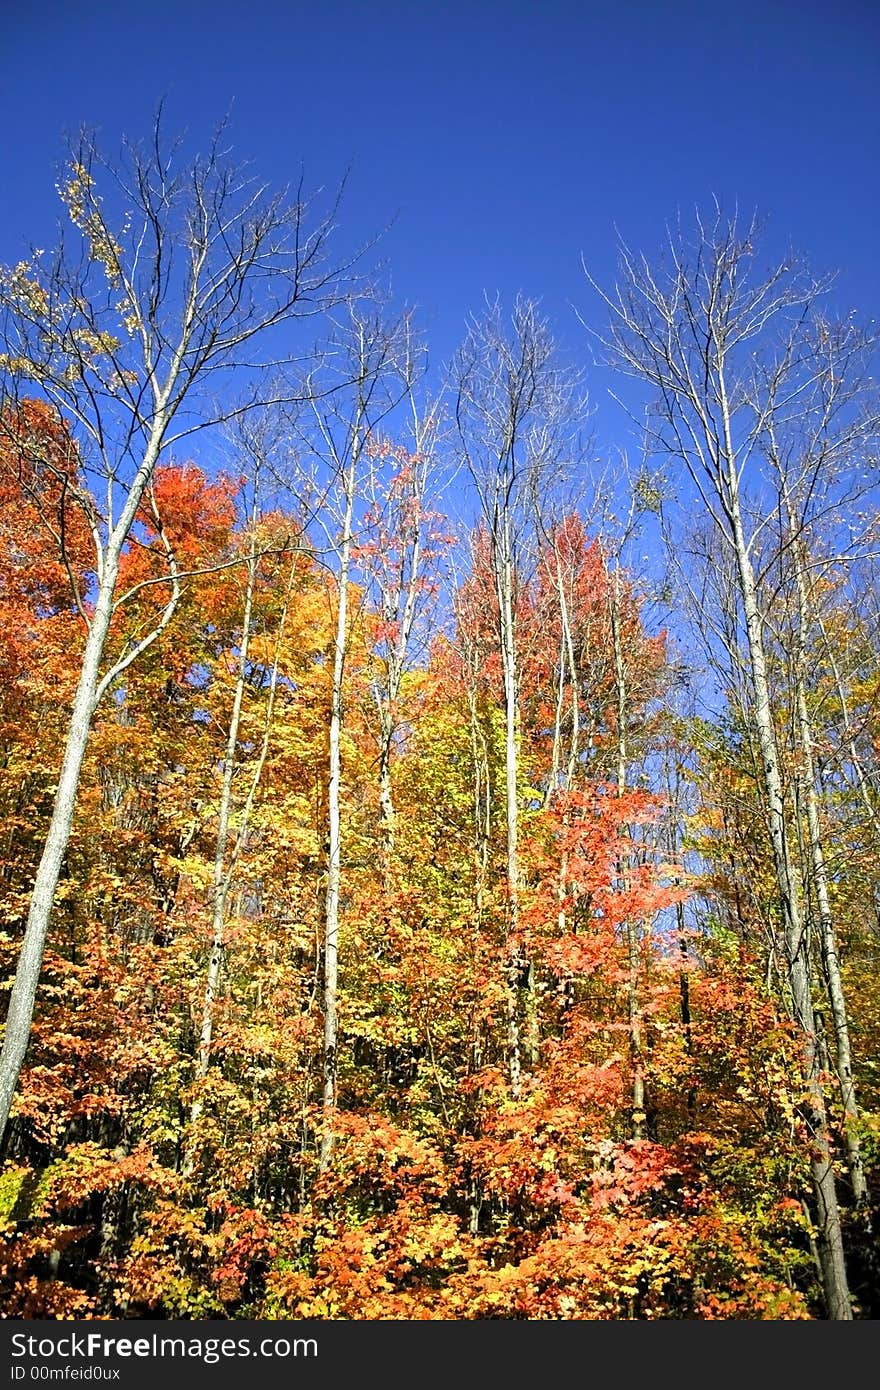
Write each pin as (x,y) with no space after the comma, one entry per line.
(505,140)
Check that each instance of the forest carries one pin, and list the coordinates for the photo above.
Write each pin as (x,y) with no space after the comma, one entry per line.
(439,860)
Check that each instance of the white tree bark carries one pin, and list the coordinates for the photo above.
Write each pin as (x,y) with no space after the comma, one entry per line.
(222,875)
(795,944)
(514,408)
(636,1039)
(827,932)
(88,691)
(334,831)
(374,359)
(118,333)
(681,334)
(518,965)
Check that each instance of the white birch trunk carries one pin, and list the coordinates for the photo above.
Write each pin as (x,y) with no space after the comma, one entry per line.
(334,831)
(516,965)
(830,1238)
(89,689)
(222,878)
(636,1044)
(827,933)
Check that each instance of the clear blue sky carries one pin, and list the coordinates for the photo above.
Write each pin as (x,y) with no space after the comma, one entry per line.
(505,139)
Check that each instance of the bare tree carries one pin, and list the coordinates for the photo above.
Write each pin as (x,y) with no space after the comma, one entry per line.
(693,330)
(397,560)
(818,431)
(517,410)
(357,382)
(131,329)
(471,656)
(817,447)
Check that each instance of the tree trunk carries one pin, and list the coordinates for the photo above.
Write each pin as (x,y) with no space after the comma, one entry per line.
(24,990)
(517,966)
(827,934)
(89,689)
(636,1042)
(566,660)
(334,830)
(830,1238)
(678,331)
(221,876)
(482,804)
(386,798)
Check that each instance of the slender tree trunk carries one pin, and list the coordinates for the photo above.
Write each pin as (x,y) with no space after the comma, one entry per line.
(334,832)
(830,1238)
(222,878)
(556,747)
(24,990)
(566,661)
(680,330)
(225,861)
(684,983)
(827,933)
(517,966)
(855,760)
(482,807)
(386,798)
(88,691)
(636,1040)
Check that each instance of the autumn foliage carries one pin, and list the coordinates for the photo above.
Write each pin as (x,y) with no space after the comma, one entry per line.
(450,1194)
